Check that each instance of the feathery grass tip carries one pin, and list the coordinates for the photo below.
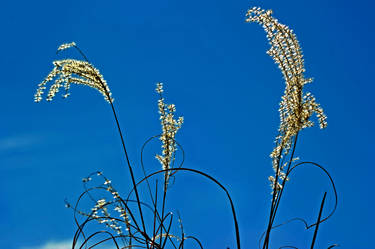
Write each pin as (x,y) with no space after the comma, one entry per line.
(72,71)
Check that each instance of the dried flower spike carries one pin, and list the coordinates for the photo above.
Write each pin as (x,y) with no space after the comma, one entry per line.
(71,71)
(170,126)
(296,108)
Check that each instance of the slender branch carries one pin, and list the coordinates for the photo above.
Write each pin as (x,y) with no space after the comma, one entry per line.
(123,144)
(318,221)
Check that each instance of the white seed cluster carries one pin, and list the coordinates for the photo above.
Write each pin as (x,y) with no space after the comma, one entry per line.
(119,208)
(170,126)
(66,46)
(164,235)
(296,108)
(100,211)
(71,71)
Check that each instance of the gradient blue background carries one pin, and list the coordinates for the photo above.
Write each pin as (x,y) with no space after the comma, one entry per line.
(216,71)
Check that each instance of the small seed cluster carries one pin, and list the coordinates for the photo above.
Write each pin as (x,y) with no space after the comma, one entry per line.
(170,126)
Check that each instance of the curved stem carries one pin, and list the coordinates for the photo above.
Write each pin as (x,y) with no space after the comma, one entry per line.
(237,230)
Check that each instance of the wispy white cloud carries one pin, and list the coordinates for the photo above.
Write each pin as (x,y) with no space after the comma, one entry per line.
(18,142)
(65,244)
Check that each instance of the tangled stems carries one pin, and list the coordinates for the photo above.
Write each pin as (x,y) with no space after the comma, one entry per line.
(238,243)
(320,220)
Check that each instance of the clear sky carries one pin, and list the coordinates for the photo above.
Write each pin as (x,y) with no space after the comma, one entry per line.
(215,69)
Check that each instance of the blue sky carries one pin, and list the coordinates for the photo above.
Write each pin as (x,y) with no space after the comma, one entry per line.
(215,69)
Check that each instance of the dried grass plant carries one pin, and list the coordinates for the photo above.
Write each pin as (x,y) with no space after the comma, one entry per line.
(124,225)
